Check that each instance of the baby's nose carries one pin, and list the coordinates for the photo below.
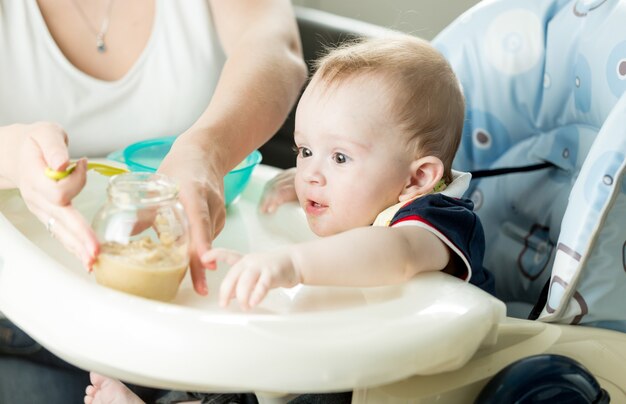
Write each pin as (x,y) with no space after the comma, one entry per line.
(314,175)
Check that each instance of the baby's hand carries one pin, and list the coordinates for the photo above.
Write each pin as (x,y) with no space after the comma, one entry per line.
(251,276)
(279,190)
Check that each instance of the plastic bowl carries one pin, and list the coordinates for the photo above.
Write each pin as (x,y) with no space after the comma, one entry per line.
(147,156)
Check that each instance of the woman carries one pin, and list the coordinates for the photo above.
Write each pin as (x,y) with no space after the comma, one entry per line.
(87,77)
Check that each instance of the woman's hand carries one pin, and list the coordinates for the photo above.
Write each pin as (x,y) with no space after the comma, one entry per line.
(279,190)
(252,276)
(202,195)
(37,147)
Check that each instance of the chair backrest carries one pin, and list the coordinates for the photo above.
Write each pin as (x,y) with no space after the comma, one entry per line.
(545,82)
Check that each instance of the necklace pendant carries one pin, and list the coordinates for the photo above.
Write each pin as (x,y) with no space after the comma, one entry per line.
(101,46)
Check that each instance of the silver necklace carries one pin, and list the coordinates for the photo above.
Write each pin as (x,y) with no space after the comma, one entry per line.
(104,27)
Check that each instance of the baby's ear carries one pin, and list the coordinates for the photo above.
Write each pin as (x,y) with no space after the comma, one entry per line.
(425,172)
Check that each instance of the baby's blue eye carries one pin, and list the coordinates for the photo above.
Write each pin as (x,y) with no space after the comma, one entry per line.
(340,158)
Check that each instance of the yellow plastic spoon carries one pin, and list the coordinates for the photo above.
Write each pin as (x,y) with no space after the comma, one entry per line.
(101,168)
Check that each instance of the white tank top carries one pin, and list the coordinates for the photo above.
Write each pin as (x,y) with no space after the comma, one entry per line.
(165,91)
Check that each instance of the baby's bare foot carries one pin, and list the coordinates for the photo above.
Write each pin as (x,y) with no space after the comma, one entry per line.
(104,390)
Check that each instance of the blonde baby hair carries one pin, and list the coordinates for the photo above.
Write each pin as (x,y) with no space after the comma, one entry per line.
(428,103)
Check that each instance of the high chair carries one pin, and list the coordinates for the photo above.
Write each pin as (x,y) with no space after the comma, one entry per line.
(544,83)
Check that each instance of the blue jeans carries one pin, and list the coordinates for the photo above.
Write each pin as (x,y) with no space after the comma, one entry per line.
(31,374)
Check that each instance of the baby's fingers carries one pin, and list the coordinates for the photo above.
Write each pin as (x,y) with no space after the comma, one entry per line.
(278,190)
(277,197)
(245,286)
(227,288)
(214,255)
(260,290)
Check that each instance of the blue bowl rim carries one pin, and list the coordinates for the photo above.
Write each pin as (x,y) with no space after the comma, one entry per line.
(252,159)
(143,144)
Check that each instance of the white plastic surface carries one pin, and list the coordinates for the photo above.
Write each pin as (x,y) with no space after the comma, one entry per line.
(304,339)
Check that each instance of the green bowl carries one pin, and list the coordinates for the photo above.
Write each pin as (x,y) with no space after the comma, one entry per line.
(147,155)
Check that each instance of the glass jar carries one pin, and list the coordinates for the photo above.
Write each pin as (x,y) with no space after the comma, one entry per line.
(143,235)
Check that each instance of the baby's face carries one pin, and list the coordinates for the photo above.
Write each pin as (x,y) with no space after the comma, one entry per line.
(352,161)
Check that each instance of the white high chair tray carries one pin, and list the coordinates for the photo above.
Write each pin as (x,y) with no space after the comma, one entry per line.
(303,339)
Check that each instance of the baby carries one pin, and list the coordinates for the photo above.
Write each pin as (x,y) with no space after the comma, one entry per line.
(376,132)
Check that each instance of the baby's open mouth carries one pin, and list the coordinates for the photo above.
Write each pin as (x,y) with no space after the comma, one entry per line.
(314,208)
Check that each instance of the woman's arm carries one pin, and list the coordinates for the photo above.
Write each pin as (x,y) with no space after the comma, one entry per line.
(259,84)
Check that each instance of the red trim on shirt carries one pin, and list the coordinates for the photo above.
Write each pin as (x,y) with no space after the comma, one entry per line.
(416,218)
